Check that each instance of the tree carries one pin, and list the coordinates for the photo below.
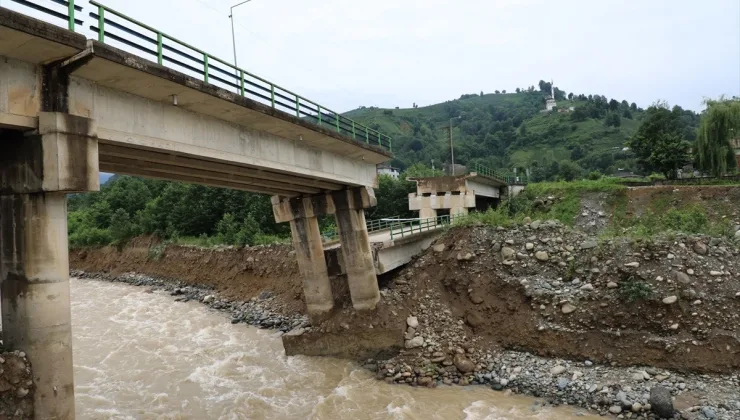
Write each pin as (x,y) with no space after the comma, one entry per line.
(720,123)
(613,120)
(518,90)
(570,96)
(633,107)
(659,143)
(497,92)
(613,105)
(570,170)
(504,91)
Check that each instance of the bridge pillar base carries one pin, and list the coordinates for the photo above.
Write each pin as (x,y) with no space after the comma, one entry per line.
(458,211)
(36,314)
(358,257)
(36,171)
(302,213)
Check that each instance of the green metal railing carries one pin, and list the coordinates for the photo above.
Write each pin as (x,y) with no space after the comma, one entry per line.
(68,15)
(372,226)
(175,53)
(411,227)
(506,177)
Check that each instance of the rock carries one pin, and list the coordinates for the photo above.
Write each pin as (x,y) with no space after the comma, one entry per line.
(700,248)
(476,299)
(563,383)
(670,300)
(705,411)
(22,392)
(589,244)
(208,299)
(737,234)
(568,308)
(682,278)
(296,332)
(507,253)
(587,287)
(464,257)
(612,285)
(615,409)
(529,246)
(463,364)
(527,220)
(412,322)
(661,402)
(415,342)
(715,273)
(542,255)
(557,370)
(633,264)
(425,381)
(536,224)
(636,407)
(439,248)
(474,320)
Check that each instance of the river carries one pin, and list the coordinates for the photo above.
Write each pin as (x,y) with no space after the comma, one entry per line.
(140,355)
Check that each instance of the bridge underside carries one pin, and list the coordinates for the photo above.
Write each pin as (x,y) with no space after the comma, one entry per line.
(70,108)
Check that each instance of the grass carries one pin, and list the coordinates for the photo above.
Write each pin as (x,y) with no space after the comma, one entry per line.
(661,219)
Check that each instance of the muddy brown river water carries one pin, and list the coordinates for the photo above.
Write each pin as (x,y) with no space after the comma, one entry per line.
(140,355)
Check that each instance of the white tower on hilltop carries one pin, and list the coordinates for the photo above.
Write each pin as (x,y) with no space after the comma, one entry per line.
(550,103)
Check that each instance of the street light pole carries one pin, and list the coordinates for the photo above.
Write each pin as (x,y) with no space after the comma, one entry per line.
(233,35)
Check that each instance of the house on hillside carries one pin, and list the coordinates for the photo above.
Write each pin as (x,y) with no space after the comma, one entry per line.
(387,169)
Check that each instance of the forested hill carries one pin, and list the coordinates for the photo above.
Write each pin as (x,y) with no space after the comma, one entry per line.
(508,129)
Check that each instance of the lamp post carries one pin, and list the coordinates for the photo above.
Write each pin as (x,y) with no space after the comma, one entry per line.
(233,35)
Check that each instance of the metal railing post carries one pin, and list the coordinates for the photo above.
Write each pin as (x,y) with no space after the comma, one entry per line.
(336,119)
(367,136)
(160,54)
(354,135)
(298,106)
(272,95)
(71,15)
(205,68)
(319,108)
(241,80)
(101,21)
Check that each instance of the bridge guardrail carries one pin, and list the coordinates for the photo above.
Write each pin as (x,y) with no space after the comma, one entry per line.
(184,57)
(421,225)
(372,226)
(67,15)
(506,177)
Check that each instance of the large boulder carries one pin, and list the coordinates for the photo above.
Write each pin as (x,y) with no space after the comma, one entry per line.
(661,402)
(463,364)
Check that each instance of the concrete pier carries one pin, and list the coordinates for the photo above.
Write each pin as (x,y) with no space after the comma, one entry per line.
(36,171)
(358,257)
(309,249)
(35,295)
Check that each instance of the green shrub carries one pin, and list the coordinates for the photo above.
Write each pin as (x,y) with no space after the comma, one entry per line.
(90,236)
(633,290)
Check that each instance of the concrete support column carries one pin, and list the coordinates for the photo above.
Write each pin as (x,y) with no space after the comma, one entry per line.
(35,173)
(309,252)
(427,213)
(35,295)
(302,213)
(358,257)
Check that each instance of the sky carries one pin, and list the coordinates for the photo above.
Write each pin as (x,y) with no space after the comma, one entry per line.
(393,53)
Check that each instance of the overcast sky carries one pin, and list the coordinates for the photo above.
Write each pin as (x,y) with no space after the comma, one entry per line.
(388,53)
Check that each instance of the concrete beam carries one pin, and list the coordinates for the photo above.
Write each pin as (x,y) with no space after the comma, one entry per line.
(35,295)
(63,156)
(173,172)
(111,150)
(25,38)
(161,173)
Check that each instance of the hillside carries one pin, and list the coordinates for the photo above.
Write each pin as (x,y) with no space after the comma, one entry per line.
(507,130)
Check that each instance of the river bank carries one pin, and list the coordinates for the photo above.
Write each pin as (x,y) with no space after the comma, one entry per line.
(598,388)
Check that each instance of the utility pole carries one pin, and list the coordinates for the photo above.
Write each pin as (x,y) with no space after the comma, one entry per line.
(452,147)
(233,34)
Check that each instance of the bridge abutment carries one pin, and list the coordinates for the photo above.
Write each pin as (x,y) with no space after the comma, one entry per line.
(36,171)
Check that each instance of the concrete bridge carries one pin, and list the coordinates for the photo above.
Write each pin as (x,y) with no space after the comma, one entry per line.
(71,107)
